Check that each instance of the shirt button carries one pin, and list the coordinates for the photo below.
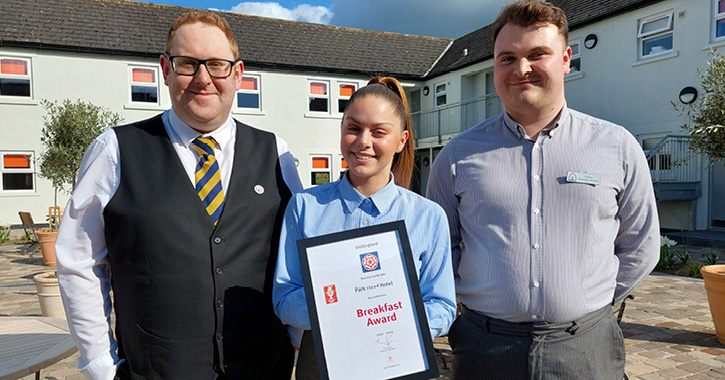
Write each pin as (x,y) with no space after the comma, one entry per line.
(217,240)
(536,146)
(218,270)
(536,178)
(536,284)
(365,222)
(219,303)
(219,336)
(536,211)
(537,246)
(534,317)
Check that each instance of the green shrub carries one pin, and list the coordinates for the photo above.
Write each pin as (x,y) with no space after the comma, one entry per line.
(691,270)
(684,256)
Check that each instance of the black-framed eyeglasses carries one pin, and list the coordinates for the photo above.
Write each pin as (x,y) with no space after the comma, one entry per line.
(217,67)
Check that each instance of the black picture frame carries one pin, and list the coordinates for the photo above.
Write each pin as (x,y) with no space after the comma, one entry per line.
(413,291)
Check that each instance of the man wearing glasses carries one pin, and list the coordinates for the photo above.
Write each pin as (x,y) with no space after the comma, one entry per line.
(184,210)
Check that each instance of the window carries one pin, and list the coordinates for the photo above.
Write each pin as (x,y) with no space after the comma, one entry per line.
(15,77)
(576,60)
(655,35)
(345,91)
(248,97)
(320,169)
(441,97)
(144,85)
(343,166)
(17,171)
(319,97)
(719,7)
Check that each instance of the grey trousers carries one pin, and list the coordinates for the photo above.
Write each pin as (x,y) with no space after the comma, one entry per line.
(484,348)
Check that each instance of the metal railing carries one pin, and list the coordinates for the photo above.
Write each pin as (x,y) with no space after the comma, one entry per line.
(455,118)
(672,160)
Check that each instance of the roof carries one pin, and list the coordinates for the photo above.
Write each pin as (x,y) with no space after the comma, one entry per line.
(130,28)
(124,27)
(477,46)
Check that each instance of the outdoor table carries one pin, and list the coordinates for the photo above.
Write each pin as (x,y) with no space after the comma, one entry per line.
(29,344)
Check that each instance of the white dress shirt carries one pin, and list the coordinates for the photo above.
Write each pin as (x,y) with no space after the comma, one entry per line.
(83,267)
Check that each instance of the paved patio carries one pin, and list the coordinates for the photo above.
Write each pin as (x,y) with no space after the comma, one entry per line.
(668,329)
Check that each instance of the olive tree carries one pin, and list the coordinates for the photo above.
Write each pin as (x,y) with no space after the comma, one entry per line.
(707,115)
(68,129)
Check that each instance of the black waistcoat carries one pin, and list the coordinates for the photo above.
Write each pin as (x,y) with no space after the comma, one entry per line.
(193,300)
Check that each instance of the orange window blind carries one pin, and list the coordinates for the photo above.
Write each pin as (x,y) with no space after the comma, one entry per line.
(320,163)
(144,75)
(249,84)
(14,66)
(16,161)
(318,88)
(343,163)
(346,89)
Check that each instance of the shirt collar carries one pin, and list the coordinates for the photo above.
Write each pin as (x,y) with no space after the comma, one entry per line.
(222,135)
(518,130)
(382,200)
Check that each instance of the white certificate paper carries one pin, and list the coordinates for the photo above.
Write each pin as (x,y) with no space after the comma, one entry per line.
(366,309)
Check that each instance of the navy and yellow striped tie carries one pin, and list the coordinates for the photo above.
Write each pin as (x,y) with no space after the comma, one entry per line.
(208,178)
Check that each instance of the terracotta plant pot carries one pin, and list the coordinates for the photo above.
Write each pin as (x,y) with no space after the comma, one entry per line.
(51,304)
(714,276)
(46,240)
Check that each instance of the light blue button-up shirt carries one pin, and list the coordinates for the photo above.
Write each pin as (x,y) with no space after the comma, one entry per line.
(547,229)
(337,206)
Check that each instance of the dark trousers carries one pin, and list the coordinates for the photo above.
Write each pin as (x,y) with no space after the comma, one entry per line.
(590,348)
(282,369)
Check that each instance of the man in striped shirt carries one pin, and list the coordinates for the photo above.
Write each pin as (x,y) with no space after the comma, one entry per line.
(552,216)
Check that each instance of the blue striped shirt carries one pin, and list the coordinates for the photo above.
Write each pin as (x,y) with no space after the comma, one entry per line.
(337,206)
(533,243)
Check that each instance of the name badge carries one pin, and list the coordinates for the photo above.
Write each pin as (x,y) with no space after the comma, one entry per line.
(591,179)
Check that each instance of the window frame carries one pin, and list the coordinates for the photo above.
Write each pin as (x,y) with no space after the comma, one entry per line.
(30,170)
(443,93)
(311,96)
(344,97)
(717,16)
(344,167)
(574,56)
(131,84)
(314,170)
(643,37)
(257,92)
(29,77)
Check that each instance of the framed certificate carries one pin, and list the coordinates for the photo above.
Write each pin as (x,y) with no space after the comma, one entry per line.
(365,305)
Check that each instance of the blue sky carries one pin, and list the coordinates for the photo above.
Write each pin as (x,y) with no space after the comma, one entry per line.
(436,18)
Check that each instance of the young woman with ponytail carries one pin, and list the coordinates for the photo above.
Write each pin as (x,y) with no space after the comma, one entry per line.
(377,144)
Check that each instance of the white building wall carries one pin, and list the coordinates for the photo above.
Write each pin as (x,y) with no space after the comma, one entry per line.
(637,93)
(104,81)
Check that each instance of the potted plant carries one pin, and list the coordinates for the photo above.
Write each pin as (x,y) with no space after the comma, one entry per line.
(46,285)
(68,129)
(714,276)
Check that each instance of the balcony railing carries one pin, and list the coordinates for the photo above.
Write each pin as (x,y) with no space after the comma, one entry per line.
(672,160)
(455,118)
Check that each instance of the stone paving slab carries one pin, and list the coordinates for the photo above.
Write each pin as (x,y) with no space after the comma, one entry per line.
(667,327)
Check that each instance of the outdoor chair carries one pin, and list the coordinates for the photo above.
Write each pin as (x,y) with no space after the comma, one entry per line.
(29,228)
(55,213)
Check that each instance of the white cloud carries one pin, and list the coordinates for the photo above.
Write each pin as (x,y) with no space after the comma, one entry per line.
(302,12)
